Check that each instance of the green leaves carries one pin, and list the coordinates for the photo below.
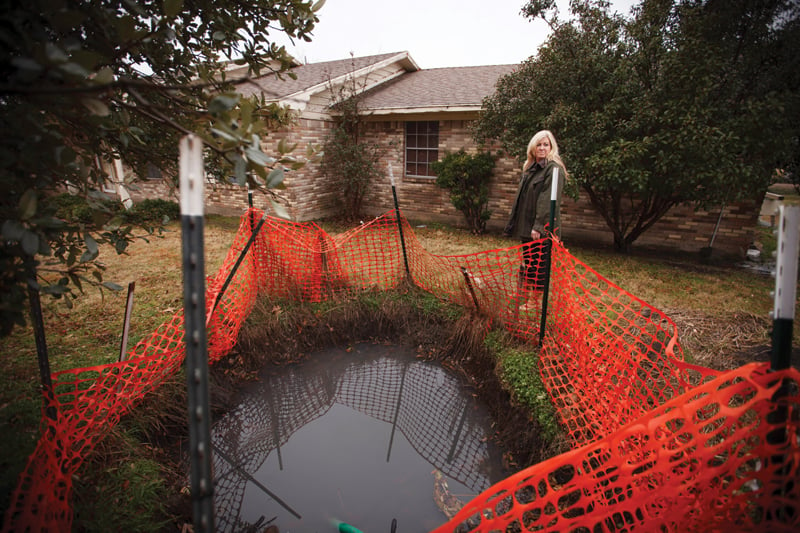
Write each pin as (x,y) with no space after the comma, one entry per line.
(112,286)
(28,239)
(519,371)
(30,242)
(467,177)
(92,250)
(27,204)
(88,83)
(96,107)
(275,178)
(258,157)
(223,103)
(350,164)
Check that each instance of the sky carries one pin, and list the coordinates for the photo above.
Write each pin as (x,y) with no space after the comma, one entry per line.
(436,33)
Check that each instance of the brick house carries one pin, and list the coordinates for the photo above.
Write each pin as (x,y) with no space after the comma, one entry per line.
(416,116)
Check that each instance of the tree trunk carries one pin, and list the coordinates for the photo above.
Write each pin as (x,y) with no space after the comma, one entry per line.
(622,243)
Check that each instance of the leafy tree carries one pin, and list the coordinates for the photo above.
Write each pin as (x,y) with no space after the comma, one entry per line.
(85,82)
(467,177)
(349,162)
(687,101)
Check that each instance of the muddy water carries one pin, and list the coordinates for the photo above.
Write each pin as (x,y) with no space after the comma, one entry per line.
(354,435)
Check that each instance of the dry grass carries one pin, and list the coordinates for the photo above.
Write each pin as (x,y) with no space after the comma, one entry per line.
(445,241)
(723,344)
(92,329)
(90,333)
(721,311)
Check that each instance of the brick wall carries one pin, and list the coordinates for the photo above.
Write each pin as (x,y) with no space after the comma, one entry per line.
(221,199)
(421,200)
(682,229)
(306,195)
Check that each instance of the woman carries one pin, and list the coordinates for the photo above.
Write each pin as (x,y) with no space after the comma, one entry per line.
(530,216)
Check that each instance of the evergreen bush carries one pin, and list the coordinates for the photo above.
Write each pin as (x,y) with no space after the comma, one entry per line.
(467,177)
(78,208)
(153,211)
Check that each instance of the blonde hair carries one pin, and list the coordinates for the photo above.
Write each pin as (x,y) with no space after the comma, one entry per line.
(552,156)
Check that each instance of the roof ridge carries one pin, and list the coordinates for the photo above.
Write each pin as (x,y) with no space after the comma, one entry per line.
(472,66)
(353,58)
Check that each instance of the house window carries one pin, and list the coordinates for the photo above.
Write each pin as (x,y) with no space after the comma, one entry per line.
(153,172)
(422,148)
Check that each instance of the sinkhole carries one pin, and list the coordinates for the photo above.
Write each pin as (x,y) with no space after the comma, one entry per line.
(364,435)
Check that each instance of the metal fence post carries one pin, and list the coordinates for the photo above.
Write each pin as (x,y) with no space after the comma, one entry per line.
(399,222)
(40,338)
(785,287)
(192,177)
(548,252)
(126,323)
(781,357)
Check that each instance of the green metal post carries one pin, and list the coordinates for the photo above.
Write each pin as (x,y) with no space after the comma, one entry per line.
(548,248)
(399,222)
(39,336)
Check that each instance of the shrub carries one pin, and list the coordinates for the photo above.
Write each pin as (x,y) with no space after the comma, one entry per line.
(467,178)
(350,163)
(93,211)
(153,211)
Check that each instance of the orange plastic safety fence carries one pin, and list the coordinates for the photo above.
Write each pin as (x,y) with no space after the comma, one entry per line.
(610,357)
(660,438)
(720,457)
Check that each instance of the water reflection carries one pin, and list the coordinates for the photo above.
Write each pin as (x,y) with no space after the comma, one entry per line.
(352,436)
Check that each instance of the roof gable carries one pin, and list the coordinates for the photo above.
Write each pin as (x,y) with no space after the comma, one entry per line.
(316,77)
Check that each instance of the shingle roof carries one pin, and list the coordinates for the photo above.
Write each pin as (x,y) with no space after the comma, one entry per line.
(310,75)
(443,88)
(463,87)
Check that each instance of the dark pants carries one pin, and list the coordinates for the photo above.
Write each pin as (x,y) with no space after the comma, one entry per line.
(531,272)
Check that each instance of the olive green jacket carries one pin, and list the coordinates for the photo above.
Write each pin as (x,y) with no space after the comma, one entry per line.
(532,206)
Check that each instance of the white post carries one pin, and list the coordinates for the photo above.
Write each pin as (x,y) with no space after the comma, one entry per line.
(554,188)
(785,286)
(119,182)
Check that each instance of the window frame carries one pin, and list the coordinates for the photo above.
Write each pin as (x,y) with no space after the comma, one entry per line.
(421,147)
